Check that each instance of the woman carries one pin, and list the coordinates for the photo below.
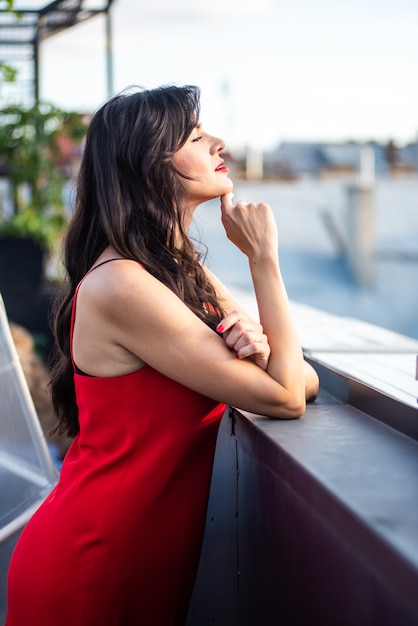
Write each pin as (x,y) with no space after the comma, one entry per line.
(152,348)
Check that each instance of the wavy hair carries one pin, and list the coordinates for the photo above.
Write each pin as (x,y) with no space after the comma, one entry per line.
(129,197)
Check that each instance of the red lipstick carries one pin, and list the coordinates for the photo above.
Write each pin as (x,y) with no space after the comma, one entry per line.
(221,167)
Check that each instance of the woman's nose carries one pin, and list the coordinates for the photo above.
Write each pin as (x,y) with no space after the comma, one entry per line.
(217,145)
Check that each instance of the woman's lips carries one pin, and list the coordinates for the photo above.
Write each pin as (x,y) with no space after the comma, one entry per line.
(221,167)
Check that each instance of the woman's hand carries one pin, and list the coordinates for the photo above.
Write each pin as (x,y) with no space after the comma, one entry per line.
(311,383)
(246,338)
(251,227)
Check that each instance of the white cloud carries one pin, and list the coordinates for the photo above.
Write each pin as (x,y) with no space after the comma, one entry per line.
(203,9)
(398,28)
(339,72)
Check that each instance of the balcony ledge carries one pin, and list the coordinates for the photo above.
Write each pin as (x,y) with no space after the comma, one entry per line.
(314,521)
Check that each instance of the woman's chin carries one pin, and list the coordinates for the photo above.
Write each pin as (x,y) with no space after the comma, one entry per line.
(227,187)
(218,191)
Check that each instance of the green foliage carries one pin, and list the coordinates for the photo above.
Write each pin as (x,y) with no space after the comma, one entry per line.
(6,5)
(7,73)
(31,148)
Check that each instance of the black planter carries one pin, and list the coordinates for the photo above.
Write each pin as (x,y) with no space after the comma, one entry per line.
(21,265)
(27,295)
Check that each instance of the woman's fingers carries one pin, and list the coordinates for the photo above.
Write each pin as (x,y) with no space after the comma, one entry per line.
(232,327)
(228,322)
(226,201)
(246,338)
(250,226)
(257,350)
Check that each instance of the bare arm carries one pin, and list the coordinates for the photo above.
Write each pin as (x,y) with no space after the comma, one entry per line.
(126,318)
(251,227)
(231,305)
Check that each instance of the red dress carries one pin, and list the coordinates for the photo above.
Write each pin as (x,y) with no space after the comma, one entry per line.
(117,542)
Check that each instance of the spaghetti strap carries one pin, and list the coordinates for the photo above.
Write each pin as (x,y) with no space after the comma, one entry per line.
(75,301)
(116,258)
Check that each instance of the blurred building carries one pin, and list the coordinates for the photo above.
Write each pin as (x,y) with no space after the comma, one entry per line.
(294,159)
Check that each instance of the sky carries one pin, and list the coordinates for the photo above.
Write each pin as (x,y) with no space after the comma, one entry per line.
(269,70)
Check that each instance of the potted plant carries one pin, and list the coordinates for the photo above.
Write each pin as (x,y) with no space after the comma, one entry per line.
(36,151)
(34,147)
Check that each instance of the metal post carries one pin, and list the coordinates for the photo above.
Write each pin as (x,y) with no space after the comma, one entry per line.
(109,52)
(361,218)
(254,164)
(36,69)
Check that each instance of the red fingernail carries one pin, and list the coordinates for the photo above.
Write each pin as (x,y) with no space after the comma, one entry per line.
(236,355)
(220,328)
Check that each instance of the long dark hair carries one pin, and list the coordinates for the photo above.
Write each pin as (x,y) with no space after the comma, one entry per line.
(128,197)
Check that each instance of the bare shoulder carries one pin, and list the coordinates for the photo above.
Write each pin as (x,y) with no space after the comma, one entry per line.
(121,315)
(115,274)
(132,301)
(113,284)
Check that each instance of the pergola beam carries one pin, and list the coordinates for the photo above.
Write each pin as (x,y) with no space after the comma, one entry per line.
(29,27)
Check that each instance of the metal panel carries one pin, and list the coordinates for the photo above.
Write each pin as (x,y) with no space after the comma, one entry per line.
(27,471)
(327,520)
(215,598)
